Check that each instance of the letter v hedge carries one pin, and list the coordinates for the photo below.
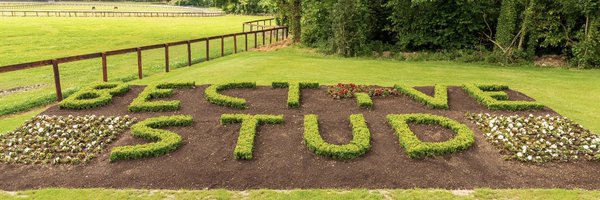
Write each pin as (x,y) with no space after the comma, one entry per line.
(96,95)
(360,144)
(415,148)
(245,143)
(163,141)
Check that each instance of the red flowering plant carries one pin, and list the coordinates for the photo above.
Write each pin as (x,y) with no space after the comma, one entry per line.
(347,90)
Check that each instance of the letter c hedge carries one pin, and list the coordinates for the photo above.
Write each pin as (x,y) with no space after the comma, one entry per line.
(163,141)
(213,96)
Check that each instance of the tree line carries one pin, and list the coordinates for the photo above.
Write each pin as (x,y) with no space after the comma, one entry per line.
(501,30)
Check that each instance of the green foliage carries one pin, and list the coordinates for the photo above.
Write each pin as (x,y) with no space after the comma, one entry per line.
(507,23)
(294,91)
(94,96)
(415,148)
(360,144)
(438,101)
(437,25)
(212,94)
(163,141)
(364,100)
(350,28)
(143,102)
(245,143)
(494,98)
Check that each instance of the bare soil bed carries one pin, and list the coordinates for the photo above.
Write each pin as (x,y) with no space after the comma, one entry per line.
(282,161)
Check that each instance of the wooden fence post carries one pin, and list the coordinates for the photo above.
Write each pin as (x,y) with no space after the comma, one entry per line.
(189,53)
(222,46)
(207,49)
(234,43)
(271,37)
(276,35)
(57,80)
(166,58)
(263,37)
(104,68)
(139,59)
(255,40)
(246,36)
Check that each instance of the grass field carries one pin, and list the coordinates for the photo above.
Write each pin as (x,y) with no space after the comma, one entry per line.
(99,6)
(414,194)
(32,39)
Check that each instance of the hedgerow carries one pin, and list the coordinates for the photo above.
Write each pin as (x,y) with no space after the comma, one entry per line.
(364,100)
(163,141)
(212,94)
(415,148)
(360,144)
(494,98)
(294,90)
(143,102)
(245,143)
(438,101)
(94,96)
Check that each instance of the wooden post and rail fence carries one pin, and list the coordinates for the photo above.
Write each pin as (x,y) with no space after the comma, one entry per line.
(280,32)
(80,13)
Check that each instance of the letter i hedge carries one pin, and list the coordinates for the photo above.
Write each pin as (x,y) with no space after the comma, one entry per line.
(294,92)
(245,143)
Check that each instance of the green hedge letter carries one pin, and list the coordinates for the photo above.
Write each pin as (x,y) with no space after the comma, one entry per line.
(416,148)
(245,143)
(360,144)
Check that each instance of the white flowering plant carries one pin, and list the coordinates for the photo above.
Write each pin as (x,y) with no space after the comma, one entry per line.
(538,139)
(61,140)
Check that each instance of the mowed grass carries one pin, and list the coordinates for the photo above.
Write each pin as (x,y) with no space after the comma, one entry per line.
(572,93)
(325,194)
(32,39)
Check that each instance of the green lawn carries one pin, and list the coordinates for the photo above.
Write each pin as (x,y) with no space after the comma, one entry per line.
(302,194)
(32,39)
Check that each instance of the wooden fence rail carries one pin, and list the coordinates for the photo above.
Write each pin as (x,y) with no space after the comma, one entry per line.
(76,13)
(280,32)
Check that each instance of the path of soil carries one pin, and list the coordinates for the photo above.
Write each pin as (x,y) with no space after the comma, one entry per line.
(282,161)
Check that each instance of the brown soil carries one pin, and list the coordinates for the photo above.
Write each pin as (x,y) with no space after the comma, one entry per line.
(551,61)
(282,161)
(274,46)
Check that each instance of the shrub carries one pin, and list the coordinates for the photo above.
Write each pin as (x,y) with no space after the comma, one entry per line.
(294,91)
(360,144)
(415,148)
(245,143)
(163,141)
(143,102)
(438,101)
(493,98)
(364,100)
(94,96)
(212,94)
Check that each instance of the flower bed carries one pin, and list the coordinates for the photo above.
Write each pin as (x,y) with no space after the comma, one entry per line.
(163,141)
(360,144)
(538,139)
(342,90)
(415,148)
(61,140)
